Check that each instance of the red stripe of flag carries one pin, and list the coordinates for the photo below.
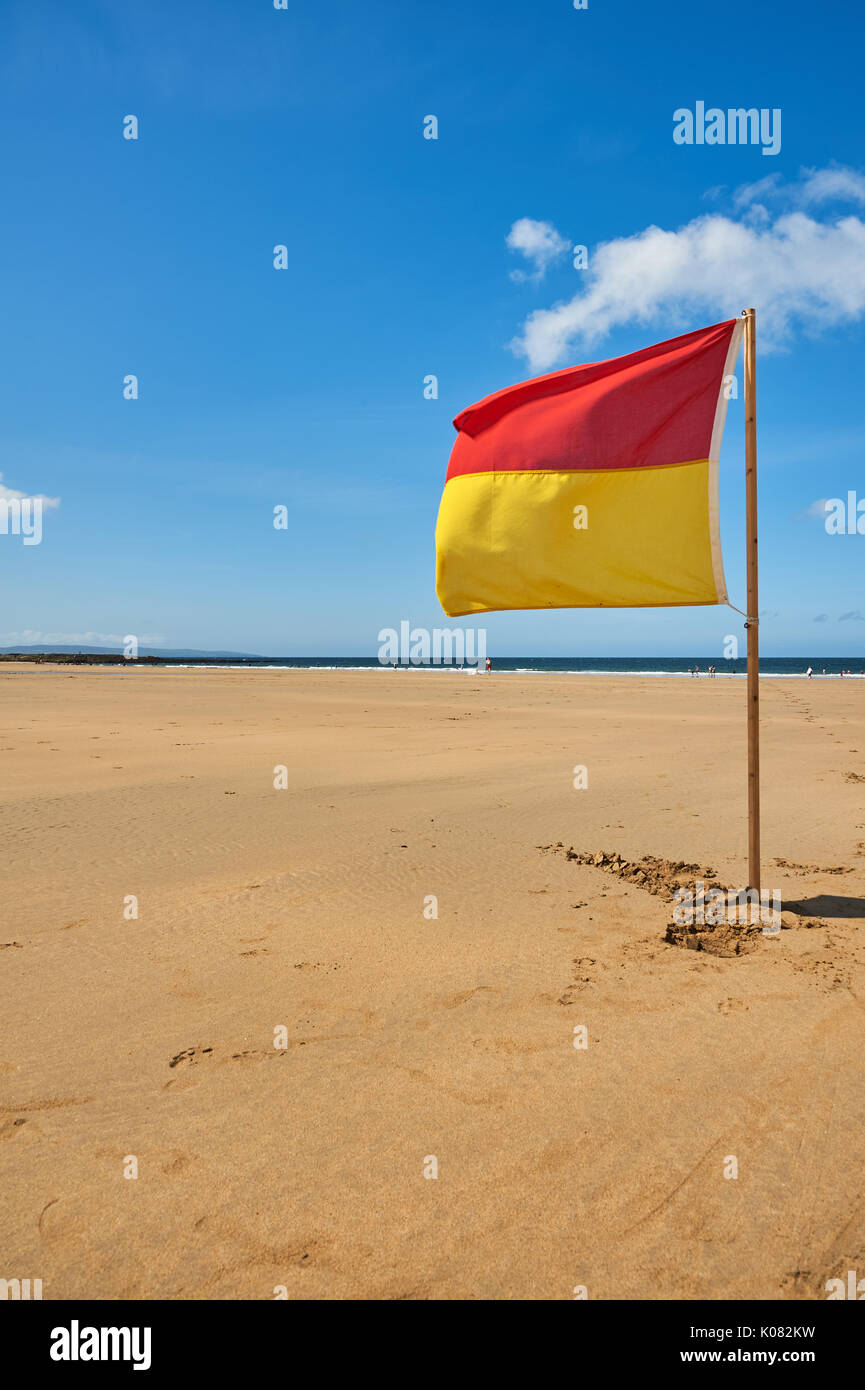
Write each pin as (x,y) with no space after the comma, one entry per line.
(647,409)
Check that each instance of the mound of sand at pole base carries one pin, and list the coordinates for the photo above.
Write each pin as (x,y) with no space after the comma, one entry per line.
(663,877)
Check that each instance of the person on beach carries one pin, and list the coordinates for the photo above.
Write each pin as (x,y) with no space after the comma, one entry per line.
(489,664)
(809,672)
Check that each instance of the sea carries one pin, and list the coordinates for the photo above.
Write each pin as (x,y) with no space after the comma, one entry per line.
(794,667)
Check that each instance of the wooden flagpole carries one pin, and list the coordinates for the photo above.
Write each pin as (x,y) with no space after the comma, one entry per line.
(752,623)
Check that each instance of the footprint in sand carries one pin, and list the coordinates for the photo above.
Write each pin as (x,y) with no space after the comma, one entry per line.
(190,1055)
(731,1006)
(464,996)
(11,1128)
(186,1060)
(177,1163)
(585,976)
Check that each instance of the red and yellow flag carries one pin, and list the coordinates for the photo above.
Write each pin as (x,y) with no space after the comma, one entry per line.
(593,487)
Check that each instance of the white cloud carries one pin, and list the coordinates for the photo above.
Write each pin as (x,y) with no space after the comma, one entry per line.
(539,242)
(796,270)
(11,494)
(835,184)
(749,192)
(816,511)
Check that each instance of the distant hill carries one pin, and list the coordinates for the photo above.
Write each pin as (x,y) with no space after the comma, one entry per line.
(179,653)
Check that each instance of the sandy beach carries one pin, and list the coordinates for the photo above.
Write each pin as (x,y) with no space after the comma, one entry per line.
(407,1036)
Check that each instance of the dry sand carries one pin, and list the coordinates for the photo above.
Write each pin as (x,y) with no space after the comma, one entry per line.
(410,1036)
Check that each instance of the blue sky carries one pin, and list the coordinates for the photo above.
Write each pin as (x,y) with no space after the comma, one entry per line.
(304,387)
